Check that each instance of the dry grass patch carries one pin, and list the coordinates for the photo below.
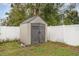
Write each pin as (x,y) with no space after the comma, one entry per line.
(13,48)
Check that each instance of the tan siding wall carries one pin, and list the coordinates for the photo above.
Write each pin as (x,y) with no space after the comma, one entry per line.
(29,33)
(46,38)
(25,34)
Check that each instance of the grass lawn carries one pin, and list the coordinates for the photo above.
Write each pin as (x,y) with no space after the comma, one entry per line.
(13,48)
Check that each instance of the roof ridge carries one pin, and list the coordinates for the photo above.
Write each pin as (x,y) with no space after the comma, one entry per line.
(29,19)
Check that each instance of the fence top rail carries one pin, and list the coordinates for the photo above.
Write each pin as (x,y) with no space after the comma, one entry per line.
(9,26)
(64,25)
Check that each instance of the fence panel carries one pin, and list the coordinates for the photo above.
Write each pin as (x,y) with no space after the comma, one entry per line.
(55,33)
(9,33)
(68,34)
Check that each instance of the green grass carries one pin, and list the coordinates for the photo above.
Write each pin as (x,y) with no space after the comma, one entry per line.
(13,48)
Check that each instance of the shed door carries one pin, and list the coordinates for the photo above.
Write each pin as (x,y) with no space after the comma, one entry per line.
(37,33)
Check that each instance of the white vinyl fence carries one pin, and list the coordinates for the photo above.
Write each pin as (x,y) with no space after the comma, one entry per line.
(68,34)
(55,33)
(9,33)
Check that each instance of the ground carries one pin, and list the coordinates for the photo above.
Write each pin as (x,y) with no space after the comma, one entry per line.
(13,48)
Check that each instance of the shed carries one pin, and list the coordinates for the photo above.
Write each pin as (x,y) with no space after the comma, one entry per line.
(33,31)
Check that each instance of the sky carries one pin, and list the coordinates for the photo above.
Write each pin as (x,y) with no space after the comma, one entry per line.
(4,7)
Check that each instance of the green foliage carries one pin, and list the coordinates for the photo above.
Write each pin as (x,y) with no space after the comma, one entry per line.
(51,15)
(17,14)
(71,15)
(48,11)
(20,12)
(72,18)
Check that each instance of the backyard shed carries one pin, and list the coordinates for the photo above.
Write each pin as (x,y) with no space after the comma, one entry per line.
(33,31)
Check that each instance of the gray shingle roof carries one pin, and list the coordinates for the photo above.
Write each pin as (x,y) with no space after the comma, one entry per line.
(33,18)
(30,19)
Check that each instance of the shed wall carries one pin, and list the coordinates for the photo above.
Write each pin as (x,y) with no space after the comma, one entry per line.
(25,34)
(46,37)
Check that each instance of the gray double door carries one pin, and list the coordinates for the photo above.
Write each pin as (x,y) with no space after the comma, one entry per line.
(37,33)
